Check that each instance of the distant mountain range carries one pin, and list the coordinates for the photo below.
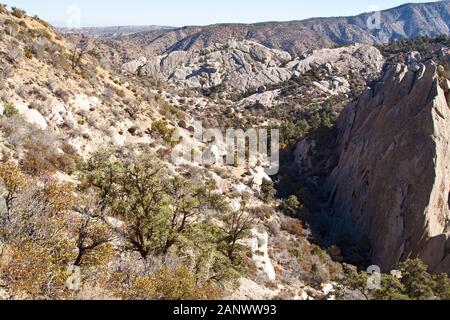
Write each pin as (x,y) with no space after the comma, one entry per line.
(118,31)
(403,22)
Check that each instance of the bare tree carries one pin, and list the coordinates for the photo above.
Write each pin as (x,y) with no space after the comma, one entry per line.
(79,52)
(37,49)
(13,53)
(133,108)
(6,71)
(12,184)
(92,230)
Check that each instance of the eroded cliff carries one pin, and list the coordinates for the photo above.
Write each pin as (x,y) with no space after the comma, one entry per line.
(392,180)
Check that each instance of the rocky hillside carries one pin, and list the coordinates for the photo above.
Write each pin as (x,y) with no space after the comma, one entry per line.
(94,205)
(63,110)
(407,21)
(245,66)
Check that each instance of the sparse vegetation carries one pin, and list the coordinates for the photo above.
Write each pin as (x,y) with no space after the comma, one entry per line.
(268,191)
(13,53)
(411,281)
(429,48)
(160,213)
(126,223)
(161,130)
(10,110)
(31,221)
(166,284)
(3,8)
(18,13)
(79,52)
(293,226)
(291,205)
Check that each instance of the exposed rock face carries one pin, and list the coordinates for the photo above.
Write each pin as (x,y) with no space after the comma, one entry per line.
(135,65)
(246,65)
(392,181)
(243,65)
(343,58)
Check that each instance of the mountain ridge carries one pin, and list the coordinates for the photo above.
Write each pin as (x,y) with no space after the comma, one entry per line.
(249,23)
(295,37)
(402,22)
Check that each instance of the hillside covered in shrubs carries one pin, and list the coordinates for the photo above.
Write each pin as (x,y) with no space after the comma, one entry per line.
(93,207)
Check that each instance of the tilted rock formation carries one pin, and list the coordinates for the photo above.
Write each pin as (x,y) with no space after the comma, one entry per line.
(392,181)
(246,65)
(243,65)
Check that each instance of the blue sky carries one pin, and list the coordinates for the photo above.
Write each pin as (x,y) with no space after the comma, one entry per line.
(191,12)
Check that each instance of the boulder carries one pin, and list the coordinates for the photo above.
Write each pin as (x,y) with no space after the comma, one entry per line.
(135,65)
(31,115)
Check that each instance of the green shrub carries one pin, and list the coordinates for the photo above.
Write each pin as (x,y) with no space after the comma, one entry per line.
(291,205)
(10,110)
(418,283)
(28,54)
(18,13)
(166,284)
(162,214)
(169,111)
(161,129)
(411,282)
(268,191)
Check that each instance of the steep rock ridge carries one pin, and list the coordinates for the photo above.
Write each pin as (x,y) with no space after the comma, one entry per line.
(392,181)
(245,65)
(284,36)
(402,22)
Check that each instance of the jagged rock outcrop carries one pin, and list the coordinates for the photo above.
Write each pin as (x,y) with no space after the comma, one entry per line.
(392,181)
(354,57)
(242,65)
(245,65)
(135,65)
